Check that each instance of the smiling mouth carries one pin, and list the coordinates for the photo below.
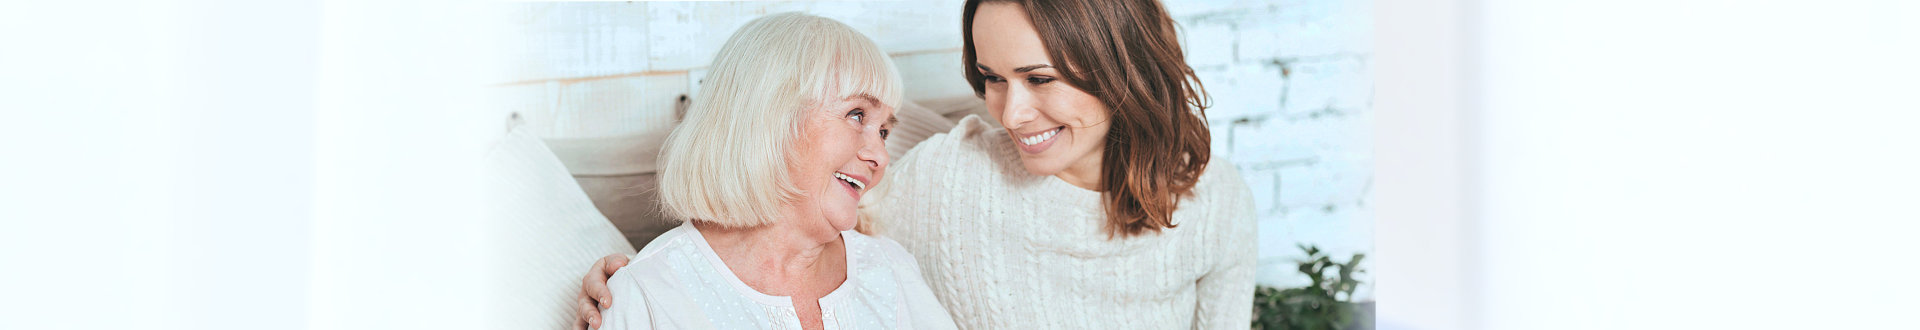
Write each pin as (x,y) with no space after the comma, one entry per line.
(855,183)
(1042,137)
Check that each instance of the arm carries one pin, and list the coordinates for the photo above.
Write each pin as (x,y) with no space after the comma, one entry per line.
(1226,296)
(1226,293)
(594,295)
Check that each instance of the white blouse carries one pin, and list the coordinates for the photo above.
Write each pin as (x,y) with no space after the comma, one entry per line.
(678,282)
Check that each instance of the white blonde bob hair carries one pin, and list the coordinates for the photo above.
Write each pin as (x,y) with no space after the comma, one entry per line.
(726,162)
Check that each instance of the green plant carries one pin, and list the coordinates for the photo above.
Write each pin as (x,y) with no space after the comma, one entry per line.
(1317,306)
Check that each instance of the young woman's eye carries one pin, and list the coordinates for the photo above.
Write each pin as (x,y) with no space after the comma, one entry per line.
(1039,80)
(858,115)
(994,79)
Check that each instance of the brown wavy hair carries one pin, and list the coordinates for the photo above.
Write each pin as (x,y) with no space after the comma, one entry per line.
(1126,53)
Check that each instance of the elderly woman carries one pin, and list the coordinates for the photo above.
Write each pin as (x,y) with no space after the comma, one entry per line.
(766,171)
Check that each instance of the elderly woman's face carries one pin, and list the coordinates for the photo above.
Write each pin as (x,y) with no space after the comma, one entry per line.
(841,152)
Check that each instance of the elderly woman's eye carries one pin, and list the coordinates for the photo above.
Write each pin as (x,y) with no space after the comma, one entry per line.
(858,115)
(883,134)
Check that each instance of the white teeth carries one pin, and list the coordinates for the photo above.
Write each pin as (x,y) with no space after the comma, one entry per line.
(857,185)
(1037,139)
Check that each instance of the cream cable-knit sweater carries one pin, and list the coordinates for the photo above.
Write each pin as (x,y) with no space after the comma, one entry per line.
(1004,249)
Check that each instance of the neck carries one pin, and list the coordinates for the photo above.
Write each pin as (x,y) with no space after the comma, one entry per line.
(778,259)
(1083,173)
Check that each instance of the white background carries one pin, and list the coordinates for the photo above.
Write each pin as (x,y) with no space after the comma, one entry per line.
(1539,164)
(1647,164)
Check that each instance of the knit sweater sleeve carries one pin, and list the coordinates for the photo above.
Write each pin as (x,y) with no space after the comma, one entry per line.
(917,124)
(934,157)
(1225,294)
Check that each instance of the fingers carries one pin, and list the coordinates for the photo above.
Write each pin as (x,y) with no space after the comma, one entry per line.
(595,285)
(589,316)
(613,263)
(579,323)
(594,295)
(594,290)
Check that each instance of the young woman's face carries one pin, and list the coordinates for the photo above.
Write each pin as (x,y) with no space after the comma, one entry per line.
(840,153)
(1056,127)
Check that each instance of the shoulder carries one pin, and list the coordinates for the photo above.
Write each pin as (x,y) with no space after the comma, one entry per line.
(964,155)
(974,138)
(880,250)
(974,152)
(1222,196)
(648,286)
(889,275)
(650,269)
(1221,182)
(634,287)
(881,255)
(660,245)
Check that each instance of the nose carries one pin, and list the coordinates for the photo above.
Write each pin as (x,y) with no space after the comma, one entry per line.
(1017,108)
(874,153)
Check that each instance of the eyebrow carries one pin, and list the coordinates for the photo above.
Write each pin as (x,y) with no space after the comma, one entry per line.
(875,100)
(1023,69)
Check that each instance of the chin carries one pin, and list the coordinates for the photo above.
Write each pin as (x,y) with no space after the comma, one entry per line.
(1041,167)
(840,225)
(843,219)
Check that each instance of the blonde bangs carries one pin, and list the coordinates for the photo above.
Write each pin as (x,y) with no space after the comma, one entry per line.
(726,161)
(862,69)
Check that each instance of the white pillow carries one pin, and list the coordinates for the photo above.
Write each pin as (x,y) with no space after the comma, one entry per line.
(542,235)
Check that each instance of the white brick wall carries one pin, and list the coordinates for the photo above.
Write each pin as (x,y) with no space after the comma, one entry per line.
(1292,89)
(1291,84)
(613,68)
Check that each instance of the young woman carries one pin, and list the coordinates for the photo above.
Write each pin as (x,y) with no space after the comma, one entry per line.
(1094,201)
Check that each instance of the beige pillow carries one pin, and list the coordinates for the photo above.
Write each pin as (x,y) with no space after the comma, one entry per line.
(617,173)
(542,235)
(954,108)
(917,123)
